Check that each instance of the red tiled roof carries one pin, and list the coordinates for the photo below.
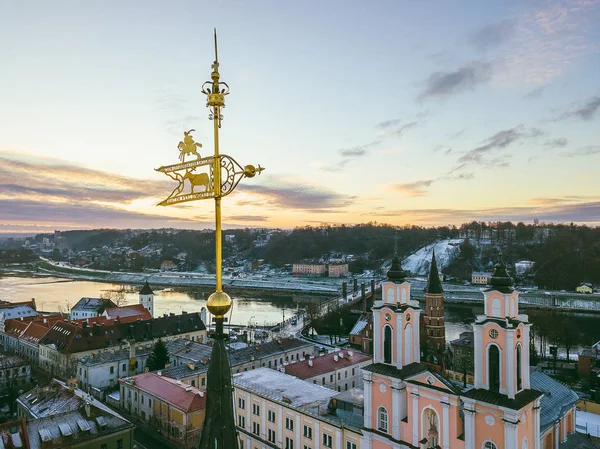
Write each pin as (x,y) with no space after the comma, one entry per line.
(325,364)
(134,310)
(167,390)
(7,304)
(15,326)
(35,331)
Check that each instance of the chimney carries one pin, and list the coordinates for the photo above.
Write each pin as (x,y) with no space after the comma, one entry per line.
(88,410)
(364,298)
(341,354)
(310,362)
(335,358)
(350,353)
(373,286)
(345,290)
(355,285)
(159,373)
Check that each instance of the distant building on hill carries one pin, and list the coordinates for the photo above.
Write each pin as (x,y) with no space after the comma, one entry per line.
(309,269)
(480,278)
(585,287)
(338,270)
(168,265)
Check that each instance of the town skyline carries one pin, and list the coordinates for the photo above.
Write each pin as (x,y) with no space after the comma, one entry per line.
(428,114)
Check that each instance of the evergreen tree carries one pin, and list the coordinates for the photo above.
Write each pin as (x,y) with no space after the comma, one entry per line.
(159,356)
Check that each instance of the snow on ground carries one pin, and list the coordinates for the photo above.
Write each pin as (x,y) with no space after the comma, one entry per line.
(419,262)
(587,422)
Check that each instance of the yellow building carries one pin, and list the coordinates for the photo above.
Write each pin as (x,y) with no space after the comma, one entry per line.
(584,288)
(338,270)
(173,408)
(274,409)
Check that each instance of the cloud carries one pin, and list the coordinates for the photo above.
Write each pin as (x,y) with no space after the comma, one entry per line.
(494,34)
(388,123)
(250,218)
(283,195)
(586,112)
(457,134)
(588,150)
(499,141)
(54,179)
(412,189)
(567,199)
(354,152)
(535,93)
(559,142)
(550,37)
(567,212)
(443,84)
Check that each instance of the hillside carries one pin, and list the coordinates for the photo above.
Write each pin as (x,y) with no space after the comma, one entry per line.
(445,251)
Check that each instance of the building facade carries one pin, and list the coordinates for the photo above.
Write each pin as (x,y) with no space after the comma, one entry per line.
(147,298)
(480,278)
(309,269)
(175,409)
(90,308)
(338,270)
(276,410)
(361,335)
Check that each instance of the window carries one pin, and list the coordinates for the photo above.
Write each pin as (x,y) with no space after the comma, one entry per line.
(271,416)
(353,371)
(142,399)
(289,443)
(350,445)
(306,447)
(241,403)
(387,344)
(308,432)
(203,381)
(519,376)
(256,409)
(494,368)
(149,402)
(289,423)
(382,419)
(271,436)
(327,440)
(331,378)
(241,421)
(124,367)
(120,443)
(255,428)
(488,445)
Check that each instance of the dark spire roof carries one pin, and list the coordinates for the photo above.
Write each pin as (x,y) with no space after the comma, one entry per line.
(396,273)
(146,290)
(500,280)
(219,424)
(434,286)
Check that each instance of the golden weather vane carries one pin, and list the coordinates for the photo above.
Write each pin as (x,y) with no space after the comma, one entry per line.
(214,176)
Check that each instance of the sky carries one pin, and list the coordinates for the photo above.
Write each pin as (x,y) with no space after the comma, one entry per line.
(399,112)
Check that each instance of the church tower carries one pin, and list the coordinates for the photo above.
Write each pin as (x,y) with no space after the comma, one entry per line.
(501,339)
(147,298)
(396,320)
(501,410)
(433,319)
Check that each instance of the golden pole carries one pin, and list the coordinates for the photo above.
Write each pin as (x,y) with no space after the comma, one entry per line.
(218,233)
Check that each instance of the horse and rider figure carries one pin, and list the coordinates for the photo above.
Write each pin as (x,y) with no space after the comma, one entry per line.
(188,146)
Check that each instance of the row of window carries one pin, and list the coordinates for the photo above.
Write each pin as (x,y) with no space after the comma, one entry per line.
(289,442)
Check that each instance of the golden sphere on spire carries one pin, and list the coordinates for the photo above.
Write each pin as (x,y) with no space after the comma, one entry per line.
(219,304)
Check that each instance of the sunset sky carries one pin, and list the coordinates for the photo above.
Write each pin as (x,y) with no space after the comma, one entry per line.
(403,112)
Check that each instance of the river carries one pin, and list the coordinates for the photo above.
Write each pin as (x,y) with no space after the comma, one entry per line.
(56,294)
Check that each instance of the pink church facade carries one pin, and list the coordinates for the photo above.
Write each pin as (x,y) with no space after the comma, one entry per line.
(407,405)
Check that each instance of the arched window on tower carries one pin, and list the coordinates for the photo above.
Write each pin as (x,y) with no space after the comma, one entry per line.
(390,296)
(408,344)
(382,419)
(494,367)
(387,344)
(404,301)
(519,368)
(489,445)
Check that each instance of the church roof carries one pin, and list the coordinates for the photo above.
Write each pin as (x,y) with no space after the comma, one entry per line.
(396,273)
(146,290)
(392,371)
(500,279)
(491,397)
(557,398)
(434,286)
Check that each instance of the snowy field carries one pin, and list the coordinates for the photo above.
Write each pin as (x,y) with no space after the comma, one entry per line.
(418,263)
(587,422)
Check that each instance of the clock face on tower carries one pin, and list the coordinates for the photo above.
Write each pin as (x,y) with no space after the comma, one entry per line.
(388,317)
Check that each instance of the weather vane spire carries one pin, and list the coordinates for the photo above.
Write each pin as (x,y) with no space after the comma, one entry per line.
(212,177)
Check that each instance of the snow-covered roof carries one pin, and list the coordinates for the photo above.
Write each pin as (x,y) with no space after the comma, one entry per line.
(17,312)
